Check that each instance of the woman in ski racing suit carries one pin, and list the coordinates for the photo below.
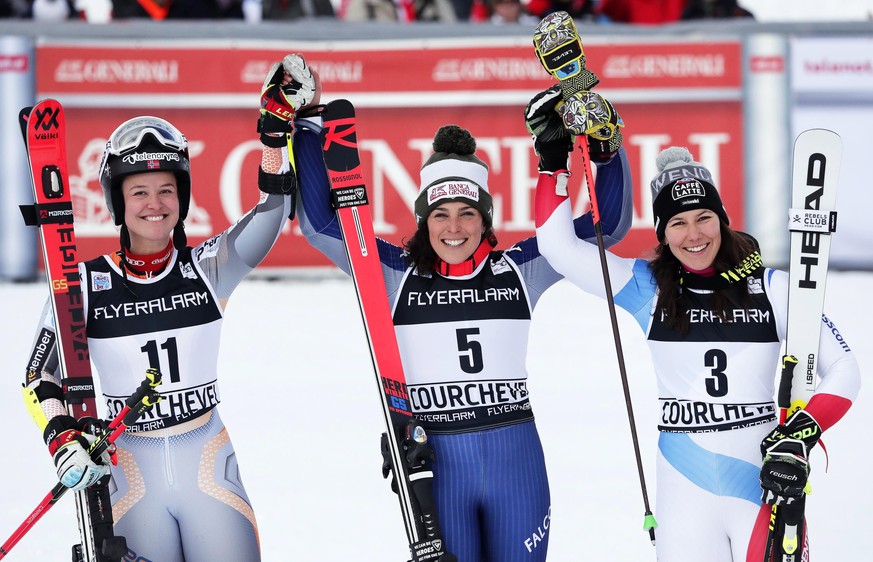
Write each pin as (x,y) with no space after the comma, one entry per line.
(715,319)
(176,493)
(462,312)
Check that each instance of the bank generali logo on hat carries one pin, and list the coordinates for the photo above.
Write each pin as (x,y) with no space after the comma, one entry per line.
(451,190)
(687,188)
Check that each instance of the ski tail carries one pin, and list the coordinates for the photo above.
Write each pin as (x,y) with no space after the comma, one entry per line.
(407,453)
(812,218)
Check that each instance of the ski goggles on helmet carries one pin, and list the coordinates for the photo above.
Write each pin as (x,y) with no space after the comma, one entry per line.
(130,134)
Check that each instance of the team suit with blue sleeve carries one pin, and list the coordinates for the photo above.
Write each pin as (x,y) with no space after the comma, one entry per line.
(463,341)
(716,388)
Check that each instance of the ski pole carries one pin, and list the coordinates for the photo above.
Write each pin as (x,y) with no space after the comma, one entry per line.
(142,399)
(559,32)
(649,523)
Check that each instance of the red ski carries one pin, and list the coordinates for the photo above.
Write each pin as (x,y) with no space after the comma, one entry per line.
(44,129)
(405,445)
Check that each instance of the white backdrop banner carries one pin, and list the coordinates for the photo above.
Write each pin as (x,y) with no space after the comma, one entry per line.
(832,83)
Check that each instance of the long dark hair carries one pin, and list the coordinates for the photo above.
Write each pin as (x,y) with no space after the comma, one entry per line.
(668,273)
(421,255)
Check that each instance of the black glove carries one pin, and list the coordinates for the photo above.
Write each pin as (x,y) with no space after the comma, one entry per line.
(388,463)
(552,141)
(416,450)
(785,471)
(289,85)
(589,113)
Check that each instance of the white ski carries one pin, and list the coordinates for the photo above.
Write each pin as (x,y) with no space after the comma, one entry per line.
(812,218)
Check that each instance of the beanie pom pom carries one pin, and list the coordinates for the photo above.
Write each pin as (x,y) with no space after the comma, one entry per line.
(453,139)
(674,154)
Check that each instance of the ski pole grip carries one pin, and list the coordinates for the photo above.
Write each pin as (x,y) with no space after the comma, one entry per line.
(783,398)
(143,398)
(152,380)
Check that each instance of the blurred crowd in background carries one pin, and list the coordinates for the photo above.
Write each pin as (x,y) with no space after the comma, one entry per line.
(644,12)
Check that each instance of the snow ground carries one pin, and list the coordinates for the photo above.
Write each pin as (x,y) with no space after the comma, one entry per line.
(300,403)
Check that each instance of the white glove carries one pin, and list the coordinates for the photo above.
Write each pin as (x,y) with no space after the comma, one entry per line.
(75,468)
(289,86)
(69,446)
(296,68)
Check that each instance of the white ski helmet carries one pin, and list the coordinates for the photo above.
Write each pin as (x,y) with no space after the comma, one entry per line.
(141,145)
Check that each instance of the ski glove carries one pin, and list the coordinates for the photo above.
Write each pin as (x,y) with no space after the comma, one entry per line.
(552,141)
(589,113)
(553,123)
(785,470)
(289,85)
(68,442)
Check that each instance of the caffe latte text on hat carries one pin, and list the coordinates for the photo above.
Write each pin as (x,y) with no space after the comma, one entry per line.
(682,185)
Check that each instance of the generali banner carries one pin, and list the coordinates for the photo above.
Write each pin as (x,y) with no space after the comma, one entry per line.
(674,93)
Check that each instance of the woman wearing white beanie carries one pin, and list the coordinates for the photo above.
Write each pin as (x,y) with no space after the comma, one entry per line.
(462,313)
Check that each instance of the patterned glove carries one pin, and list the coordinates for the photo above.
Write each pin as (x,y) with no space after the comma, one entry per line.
(289,86)
(785,470)
(589,113)
(68,442)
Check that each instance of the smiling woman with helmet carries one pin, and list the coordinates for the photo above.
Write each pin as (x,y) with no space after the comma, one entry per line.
(176,492)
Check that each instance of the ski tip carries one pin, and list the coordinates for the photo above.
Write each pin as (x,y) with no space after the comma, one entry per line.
(816,146)
(23,116)
(338,109)
(339,104)
(818,136)
(818,130)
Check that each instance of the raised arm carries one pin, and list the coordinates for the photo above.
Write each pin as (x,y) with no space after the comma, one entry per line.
(565,243)
(226,258)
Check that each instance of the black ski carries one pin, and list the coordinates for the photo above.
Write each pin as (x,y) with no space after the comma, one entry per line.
(405,448)
(44,129)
